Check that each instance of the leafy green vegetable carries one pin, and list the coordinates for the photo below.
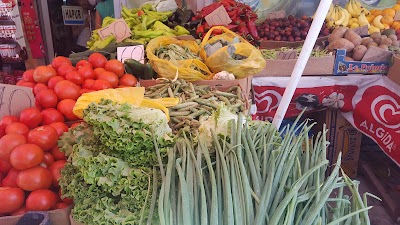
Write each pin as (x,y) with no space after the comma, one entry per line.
(111,160)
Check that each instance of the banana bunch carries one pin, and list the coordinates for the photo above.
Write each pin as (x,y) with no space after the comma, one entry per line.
(337,16)
(355,8)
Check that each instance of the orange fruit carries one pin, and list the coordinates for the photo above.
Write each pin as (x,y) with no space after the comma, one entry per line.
(386,26)
(389,12)
(394,24)
(370,18)
(376,12)
(396,7)
(388,20)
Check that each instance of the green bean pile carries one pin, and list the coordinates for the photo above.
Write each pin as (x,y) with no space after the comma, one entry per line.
(197,102)
(273,53)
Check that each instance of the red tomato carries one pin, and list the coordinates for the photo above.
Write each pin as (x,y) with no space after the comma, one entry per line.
(38,105)
(11,179)
(60,60)
(83,91)
(64,69)
(74,77)
(27,84)
(60,127)
(41,200)
(19,212)
(57,154)
(11,199)
(20,82)
(83,63)
(53,81)
(55,170)
(101,85)
(5,166)
(67,90)
(61,205)
(28,76)
(87,72)
(48,158)
(31,117)
(45,137)
(51,115)
(1,177)
(110,77)
(98,71)
(8,143)
(42,74)
(128,80)
(97,60)
(115,66)
(35,178)
(68,201)
(47,99)
(88,84)
(26,156)
(6,120)
(75,125)
(39,87)
(17,128)
(65,107)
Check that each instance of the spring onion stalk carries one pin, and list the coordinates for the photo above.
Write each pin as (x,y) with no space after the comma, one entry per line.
(255,175)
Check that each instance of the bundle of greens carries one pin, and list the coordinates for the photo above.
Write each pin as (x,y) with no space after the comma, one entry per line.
(251,175)
(111,172)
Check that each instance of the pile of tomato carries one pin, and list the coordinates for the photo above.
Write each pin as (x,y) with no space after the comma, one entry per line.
(30,159)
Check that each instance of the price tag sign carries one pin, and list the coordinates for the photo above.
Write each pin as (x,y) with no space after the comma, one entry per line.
(276,15)
(397,16)
(291,54)
(218,17)
(119,29)
(362,31)
(375,54)
(131,52)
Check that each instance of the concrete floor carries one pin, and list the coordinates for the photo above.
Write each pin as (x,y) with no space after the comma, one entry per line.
(378,214)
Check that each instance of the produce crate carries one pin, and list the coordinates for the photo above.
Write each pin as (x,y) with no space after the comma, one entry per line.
(343,137)
(394,70)
(57,217)
(264,44)
(384,176)
(343,67)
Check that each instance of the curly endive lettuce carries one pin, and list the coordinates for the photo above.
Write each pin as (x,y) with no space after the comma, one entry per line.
(128,130)
(106,190)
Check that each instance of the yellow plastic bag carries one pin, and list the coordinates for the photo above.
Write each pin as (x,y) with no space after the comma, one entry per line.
(222,61)
(184,68)
(131,95)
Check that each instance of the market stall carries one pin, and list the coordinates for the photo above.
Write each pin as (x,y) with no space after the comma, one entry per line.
(201,115)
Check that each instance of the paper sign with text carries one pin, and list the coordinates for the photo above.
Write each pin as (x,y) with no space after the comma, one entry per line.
(286,55)
(375,54)
(218,17)
(397,16)
(277,15)
(14,99)
(362,31)
(72,15)
(119,29)
(131,52)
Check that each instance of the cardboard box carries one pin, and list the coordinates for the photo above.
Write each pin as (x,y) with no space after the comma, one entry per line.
(343,137)
(57,217)
(394,70)
(14,99)
(221,85)
(279,44)
(284,68)
(343,67)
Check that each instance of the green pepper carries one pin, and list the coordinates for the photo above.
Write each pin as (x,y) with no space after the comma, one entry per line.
(136,67)
(104,43)
(179,30)
(160,26)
